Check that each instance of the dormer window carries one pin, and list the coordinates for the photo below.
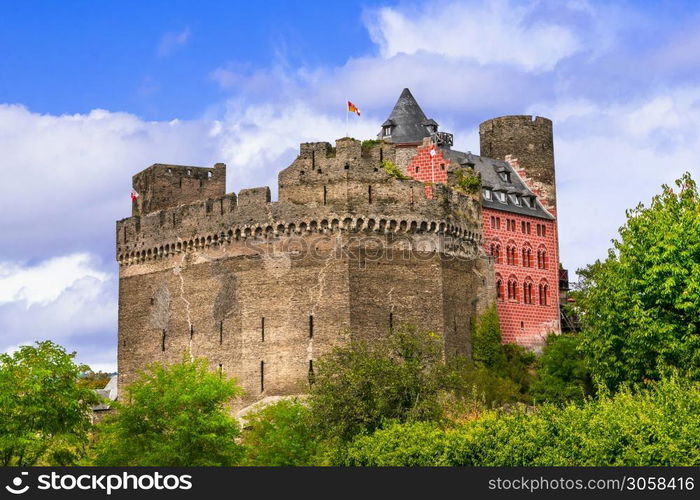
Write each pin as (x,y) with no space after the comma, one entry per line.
(514,199)
(387,128)
(431,126)
(527,201)
(505,176)
(487,194)
(500,196)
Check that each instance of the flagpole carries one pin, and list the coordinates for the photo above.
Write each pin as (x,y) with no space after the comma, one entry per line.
(347,112)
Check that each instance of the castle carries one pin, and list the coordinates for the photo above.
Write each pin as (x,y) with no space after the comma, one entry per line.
(364,236)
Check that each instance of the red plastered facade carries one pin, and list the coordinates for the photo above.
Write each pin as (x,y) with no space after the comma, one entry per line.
(528,295)
(525,319)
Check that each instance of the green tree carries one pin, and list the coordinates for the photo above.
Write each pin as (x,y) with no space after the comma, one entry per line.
(487,347)
(280,435)
(658,426)
(562,375)
(640,308)
(44,412)
(173,416)
(362,384)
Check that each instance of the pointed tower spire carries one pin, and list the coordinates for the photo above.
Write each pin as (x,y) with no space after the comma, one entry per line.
(407,123)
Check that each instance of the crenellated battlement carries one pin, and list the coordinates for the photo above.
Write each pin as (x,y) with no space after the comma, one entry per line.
(348,192)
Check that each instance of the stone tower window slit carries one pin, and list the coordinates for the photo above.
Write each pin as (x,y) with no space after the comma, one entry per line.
(191,332)
(325,194)
(369,194)
(391,321)
(311,327)
(313,160)
(262,329)
(221,370)
(221,332)
(312,375)
(162,342)
(262,376)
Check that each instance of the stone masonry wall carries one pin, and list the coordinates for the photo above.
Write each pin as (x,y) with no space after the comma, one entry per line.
(262,289)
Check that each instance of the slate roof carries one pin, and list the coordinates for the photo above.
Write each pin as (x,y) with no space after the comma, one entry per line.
(410,125)
(408,120)
(490,179)
(109,392)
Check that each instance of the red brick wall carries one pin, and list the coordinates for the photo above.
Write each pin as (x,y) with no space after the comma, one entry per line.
(522,323)
(427,168)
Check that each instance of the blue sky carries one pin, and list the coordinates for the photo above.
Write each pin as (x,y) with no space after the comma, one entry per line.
(93,92)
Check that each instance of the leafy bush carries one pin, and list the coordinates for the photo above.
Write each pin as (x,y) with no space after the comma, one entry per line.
(280,434)
(659,426)
(363,384)
(487,349)
(562,375)
(467,181)
(173,416)
(394,171)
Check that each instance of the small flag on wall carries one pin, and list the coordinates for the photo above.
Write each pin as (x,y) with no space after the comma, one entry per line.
(134,195)
(353,109)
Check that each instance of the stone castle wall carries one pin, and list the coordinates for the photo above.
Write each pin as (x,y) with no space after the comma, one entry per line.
(262,289)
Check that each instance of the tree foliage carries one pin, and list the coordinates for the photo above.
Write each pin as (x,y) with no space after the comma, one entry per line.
(362,384)
(656,427)
(173,416)
(562,375)
(487,347)
(44,412)
(640,308)
(280,435)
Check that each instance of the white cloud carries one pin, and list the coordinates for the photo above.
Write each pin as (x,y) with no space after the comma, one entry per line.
(65,299)
(610,158)
(45,281)
(171,41)
(496,31)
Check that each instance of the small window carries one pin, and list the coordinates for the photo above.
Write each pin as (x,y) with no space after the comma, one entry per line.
(505,176)
(312,375)
(387,130)
(208,175)
(262,376)
(311,327)
(500,196)
(487,194)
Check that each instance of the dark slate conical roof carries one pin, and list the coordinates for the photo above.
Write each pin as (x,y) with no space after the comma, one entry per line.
(409,123)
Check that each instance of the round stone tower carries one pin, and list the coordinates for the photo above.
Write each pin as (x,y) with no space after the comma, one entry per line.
(528,139)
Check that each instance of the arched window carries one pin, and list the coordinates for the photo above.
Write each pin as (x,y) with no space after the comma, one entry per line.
(513,289)
(544,294)
(496,252)
(527,292)
(510,255)
(499,288)
(542,258)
